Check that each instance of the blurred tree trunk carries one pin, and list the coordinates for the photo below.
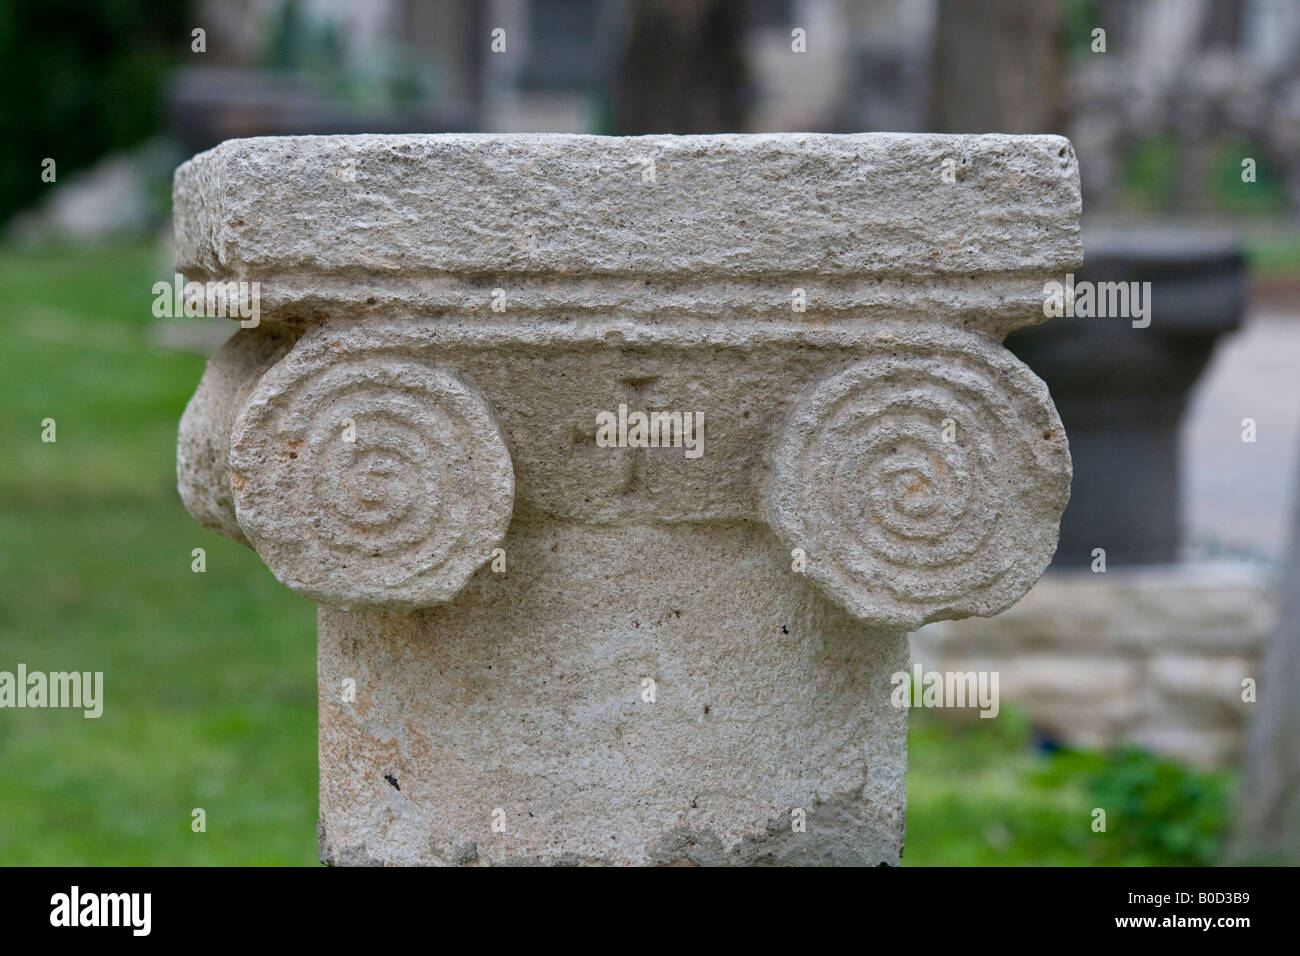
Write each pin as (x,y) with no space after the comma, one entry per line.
(998,67)
(681,69)
(1268,824)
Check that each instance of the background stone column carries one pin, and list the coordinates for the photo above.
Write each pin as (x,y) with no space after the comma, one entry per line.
(537,649)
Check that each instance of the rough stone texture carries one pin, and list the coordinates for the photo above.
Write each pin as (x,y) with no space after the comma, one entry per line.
(668,289)
(768,698)
(203,446)
(370,477)
(390,226)
(1153,656)
(902,523)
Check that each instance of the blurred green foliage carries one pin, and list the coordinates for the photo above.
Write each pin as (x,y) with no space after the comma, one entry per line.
(1151,173)
(1157,811)
(313,50)
(80,80)
(1154,165)
(209,679)
(1274,255)
(1081,18)
(980,793)
(1267,194)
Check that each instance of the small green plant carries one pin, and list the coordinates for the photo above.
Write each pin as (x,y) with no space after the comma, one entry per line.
(1151,174)
(1231,194)
(1159,811)
(989,793)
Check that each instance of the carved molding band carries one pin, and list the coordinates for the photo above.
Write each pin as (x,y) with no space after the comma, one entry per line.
(925,482)
(370,478)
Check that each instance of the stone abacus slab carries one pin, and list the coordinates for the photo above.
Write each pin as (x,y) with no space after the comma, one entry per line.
(874,224)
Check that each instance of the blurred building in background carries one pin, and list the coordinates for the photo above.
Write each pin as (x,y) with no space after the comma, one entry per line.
(1186,90)
(1161,119)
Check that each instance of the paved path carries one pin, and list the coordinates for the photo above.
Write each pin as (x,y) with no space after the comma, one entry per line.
(1237,496)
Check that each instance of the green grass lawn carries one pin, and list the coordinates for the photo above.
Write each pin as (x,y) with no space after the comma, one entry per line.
(210,678)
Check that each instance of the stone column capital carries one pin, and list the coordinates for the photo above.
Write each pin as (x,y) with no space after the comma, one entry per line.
(824,294)
(457,335)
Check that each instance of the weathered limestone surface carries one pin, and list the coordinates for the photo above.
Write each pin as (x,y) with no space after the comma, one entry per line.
(681,654)
(767,700)
(402,227)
